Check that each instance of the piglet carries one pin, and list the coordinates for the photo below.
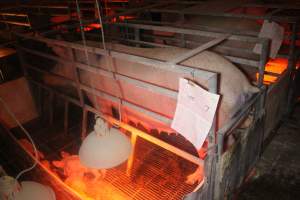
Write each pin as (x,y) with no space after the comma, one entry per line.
(73,168)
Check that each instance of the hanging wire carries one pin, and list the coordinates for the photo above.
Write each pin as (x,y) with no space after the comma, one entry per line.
(101,24)
(86,55)
(104,47)
(85,49)
(36,155)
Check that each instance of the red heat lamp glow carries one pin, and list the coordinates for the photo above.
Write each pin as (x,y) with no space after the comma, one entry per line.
(276,66)
(90,27)
(122,18)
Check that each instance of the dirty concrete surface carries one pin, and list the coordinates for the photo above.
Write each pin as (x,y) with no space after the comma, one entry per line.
(277,174)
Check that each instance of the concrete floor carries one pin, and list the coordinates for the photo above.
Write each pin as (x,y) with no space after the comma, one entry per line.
(277,175)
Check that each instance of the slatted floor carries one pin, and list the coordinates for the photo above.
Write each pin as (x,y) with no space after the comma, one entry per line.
(156,174)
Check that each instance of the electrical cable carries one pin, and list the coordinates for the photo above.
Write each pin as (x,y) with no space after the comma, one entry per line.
(85,48)
(104,47)
(28,136)
(112,71)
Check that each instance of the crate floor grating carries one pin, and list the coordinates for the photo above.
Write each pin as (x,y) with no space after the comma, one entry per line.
(156,173)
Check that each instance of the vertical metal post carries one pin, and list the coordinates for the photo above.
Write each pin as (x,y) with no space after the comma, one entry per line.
(51,107)
(8,28)
(182,36)
(264,56)
(22,61)
(84,124)
(260,104)
(66,117)
(26,75)
(76,76)
(291,69)
(137,36)
(260,114)
(131,157)
(70,10)
(211,164)
(39,100)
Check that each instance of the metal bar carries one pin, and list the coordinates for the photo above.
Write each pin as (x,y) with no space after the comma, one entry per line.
(57,93)
(15,23)
(233,123)
(110,97)
(186,31)
(131,156)
(292,61)
(198,50)
(137,36)
(13,14)
(153,140)
(84,123)
(205,75)
(127,127)
(71,82)
(291,55)
(136,83)
(274,12)
(211,166)
(264,56)
(115,99)
(66,117)
(197,27)
(44,6)
(51,109)
(243,61)
(136,10)
(149,87)
(289,19)
(25,72)
(39,101)
(182,36)
(221,48)
(273,5)
(77,80)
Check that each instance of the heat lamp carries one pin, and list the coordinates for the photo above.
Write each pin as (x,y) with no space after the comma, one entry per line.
(104,147)
(10,189)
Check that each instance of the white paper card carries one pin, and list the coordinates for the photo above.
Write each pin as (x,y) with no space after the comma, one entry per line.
(195,112)
(273,31)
